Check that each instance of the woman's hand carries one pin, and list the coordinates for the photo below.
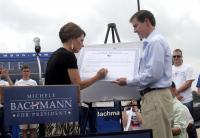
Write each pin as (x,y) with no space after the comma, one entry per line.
(102,73)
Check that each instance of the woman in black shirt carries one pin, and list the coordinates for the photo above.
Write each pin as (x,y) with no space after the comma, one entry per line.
(62,69)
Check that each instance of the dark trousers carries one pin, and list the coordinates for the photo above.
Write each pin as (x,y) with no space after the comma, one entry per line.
(3,130)
(192,133)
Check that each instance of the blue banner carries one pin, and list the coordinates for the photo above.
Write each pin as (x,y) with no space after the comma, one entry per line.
(40,104)
(23,57)
(14,61)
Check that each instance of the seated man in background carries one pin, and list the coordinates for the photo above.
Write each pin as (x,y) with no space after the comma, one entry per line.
(181,116)
(190,120)
(27,81)
(132,118)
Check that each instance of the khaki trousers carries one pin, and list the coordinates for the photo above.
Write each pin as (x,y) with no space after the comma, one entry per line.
(157,111)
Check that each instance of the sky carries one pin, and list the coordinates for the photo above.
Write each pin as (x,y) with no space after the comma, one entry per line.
(22,20)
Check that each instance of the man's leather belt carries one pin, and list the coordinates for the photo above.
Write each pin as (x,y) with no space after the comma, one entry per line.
(148,89)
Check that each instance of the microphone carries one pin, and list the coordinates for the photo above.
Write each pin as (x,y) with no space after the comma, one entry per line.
(36,40)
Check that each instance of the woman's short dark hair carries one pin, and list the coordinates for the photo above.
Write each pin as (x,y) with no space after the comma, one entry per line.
(70,31)
(142,15)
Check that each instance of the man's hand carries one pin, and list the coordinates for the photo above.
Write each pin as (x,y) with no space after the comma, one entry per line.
(179,97)
(121,81)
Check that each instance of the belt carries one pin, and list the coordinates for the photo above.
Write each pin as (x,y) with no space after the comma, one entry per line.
(148,89)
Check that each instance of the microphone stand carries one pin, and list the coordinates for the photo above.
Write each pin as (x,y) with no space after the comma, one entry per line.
(39,69)
(37,51)
(41,81)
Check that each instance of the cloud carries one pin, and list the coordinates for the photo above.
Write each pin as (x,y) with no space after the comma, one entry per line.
(22,20)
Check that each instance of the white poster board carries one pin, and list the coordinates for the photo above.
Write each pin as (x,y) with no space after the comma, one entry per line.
(121,60)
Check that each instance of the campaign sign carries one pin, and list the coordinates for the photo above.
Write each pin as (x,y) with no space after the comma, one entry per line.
(40,104)
(106,119)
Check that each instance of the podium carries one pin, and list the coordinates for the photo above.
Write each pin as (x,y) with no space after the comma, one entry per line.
(40,104)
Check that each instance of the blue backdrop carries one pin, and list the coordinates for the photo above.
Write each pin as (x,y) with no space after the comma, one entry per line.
(14,61)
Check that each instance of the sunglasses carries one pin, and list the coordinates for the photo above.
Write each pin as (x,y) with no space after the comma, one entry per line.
(177,56)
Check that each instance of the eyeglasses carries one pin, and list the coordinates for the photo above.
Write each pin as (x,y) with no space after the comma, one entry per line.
(177,56)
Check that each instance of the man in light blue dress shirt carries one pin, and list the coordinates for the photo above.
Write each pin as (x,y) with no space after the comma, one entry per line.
(154,77)
(198,85)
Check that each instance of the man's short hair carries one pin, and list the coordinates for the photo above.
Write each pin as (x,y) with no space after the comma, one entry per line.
(178,50)
(142,15)
(25,67)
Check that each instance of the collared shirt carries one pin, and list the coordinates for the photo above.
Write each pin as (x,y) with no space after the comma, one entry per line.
(179,118)
(198,82)
(155,63)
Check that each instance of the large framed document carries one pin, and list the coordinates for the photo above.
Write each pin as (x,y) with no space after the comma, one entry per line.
(121,60)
